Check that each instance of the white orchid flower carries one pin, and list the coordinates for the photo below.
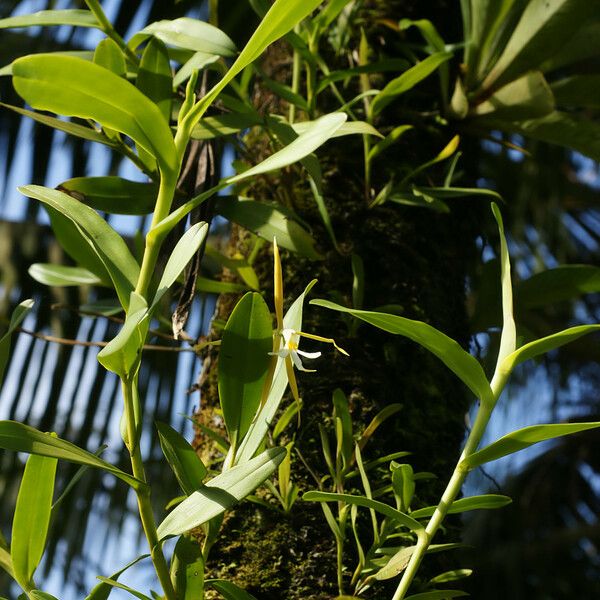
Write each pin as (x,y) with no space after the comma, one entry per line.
(291,341)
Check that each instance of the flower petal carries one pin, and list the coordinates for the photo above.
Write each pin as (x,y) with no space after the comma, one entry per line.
(308,354)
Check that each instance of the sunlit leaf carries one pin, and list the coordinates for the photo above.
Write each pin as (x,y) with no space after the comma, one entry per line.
(19,313)
(221,493)
(486,501)
(408,80)
(122,353)
(523,438)
(107,244)
(188,33)
(61,275)
(243,363)
(459,361)
(103,589)
(74,87)
(23,438)
(73,17)
(183,459)
(112,194)
(268,221)
(380,507)
(32,517)
(229,590)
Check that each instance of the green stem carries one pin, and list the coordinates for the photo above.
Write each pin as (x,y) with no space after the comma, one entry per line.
(295,80)
(451,492)
(109,30)
(143,493)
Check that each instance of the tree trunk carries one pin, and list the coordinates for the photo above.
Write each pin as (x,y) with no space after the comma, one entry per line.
(415,259)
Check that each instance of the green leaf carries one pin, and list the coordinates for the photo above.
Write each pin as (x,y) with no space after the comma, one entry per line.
(314,136)
(460,362)
(229,590)
(543,28)
(243,363)
(565,129)
(39,595)
(453,575)
(528,97)
(6,561)
(187,33)
(184,250)
(508,337)
(32,517)
(103,589)
(282,16)
(380,507)
(80,131)
(74,17)
(443,193)
(107,244)
(579,90)
(268,221)
(221,493)
(199,61)
(189,569)
(390,64)
(187,466)
(566,282)
(227,124)
(112,194)
(408,80)
(259,427)
(211,286)
(124,587)
(61,275)
(121,355)
(19,313)
(523,438)
(109,55)
(23,438)
(154,77)
(486,502)
(74,87)
(347,128)
(546,344)
(389,139)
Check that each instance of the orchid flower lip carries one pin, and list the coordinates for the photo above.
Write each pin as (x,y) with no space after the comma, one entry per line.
(291,340)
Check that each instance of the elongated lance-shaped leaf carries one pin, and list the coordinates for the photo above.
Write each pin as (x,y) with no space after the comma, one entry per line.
(108,55)
(544,27)
(154,77)
(74,17)
(187,33)
(103,589)
(183,252)
(508,338)
(182,458)
(268,221)
(460,362)
(19,313)
(311,138)
(62,275)
(23,438)
(523,438)
(121,586)
(229,590)
(112,194)
(32,517)
(485,501)
(380,507)
(80,131)
(74,87)
(546,344)
(408,80)
(321,130)
(107,244)
(259,427)
(121,355)
(243,364)
(282,17)
(221,493)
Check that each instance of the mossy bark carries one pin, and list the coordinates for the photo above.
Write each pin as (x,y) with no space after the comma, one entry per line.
(415,259)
